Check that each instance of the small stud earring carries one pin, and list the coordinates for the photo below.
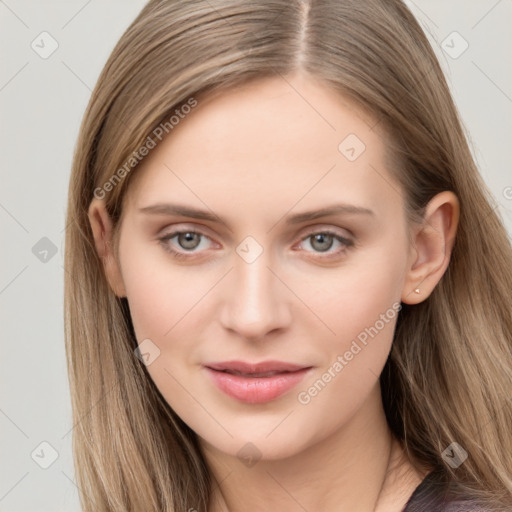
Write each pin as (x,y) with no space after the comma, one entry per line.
(417,290)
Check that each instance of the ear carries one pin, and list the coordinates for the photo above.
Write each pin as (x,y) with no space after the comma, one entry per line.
(431,249)
(101,226)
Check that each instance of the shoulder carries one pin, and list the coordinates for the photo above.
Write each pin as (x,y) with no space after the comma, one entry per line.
(432,504)
(435,495)
(463,506)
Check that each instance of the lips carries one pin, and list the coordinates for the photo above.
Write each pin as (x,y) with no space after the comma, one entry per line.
(253,369)
(255,382)
(251,374)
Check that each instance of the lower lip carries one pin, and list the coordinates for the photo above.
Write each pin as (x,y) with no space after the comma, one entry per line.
(256,390)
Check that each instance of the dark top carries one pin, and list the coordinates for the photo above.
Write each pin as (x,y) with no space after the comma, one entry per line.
(431,496)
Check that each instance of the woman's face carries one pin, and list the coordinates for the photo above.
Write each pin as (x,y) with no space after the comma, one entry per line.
(257,279)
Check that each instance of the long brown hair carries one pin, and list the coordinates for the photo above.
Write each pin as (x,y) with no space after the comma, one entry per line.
(449,374)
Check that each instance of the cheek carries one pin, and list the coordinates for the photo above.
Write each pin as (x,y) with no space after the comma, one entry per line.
(161,294)
(361,307)
(354,297)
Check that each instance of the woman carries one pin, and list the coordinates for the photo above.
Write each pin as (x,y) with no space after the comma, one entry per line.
(287,286)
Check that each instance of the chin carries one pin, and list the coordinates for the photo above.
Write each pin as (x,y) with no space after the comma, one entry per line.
(251,446)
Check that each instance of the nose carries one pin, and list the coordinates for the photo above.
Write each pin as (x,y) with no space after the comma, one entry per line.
(256,300)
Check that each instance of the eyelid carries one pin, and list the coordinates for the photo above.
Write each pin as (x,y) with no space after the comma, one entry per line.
(204,230)
(326,228)
(188,227)
(311,230)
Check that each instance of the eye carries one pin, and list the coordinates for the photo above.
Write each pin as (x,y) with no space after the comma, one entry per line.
(189,242)
(186,240)
(323,241)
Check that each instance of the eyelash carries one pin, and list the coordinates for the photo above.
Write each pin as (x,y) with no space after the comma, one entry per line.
(347,244)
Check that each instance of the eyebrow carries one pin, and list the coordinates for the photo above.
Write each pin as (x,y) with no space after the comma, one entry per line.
(297,218)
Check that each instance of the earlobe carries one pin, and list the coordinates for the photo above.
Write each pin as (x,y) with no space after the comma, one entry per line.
(433,242)
(102,230)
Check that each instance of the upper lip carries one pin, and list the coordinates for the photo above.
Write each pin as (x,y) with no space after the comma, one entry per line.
(262,367)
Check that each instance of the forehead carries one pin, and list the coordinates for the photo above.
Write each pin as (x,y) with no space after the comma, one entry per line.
(271,141)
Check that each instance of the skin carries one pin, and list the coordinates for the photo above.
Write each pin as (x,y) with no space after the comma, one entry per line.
(253,156)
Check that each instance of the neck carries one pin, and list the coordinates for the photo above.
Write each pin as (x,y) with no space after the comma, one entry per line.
(354,468)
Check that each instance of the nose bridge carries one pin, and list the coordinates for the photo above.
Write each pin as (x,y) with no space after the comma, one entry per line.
(255,304)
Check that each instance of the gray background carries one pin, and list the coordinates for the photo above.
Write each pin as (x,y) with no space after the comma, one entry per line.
(42,101)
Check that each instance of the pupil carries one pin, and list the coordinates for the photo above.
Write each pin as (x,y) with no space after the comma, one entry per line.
(320,238)
(187,240)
